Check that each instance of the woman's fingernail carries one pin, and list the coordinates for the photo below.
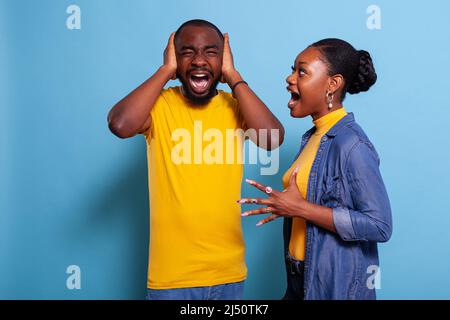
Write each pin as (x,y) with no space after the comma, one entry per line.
(259,223)
(249,181)
(244,214)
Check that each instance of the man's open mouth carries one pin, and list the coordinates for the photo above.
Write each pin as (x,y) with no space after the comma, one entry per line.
(295,98)
(199,82)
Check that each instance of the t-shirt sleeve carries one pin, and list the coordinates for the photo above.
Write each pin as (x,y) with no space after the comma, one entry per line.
(240,118)
(155,113)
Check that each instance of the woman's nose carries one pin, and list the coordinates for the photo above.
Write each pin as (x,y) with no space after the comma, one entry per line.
(290,79)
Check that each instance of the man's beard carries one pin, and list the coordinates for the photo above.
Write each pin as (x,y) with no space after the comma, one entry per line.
(199,100)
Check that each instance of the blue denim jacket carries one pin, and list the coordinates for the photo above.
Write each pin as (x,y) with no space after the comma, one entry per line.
(344,176)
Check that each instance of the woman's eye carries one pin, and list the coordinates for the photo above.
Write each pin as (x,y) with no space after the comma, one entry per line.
(186,53)
(211,53)
(301,72)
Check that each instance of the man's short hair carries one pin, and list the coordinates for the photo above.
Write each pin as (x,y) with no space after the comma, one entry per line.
(198,23)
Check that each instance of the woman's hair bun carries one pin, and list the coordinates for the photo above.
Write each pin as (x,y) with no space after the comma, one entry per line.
(365,75)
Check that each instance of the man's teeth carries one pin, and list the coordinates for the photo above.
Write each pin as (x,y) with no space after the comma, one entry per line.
(199,82)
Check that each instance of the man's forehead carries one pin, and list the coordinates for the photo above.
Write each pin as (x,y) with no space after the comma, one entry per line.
(199,35)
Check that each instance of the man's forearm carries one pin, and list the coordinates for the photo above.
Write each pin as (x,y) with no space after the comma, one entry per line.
(128,116)
(255,113)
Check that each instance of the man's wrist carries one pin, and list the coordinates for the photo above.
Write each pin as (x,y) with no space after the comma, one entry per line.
(233,77)
(166,72)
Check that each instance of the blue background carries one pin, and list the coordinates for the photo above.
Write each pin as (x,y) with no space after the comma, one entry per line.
(72,193)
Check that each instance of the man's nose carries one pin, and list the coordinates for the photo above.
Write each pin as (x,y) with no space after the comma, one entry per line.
(199,60)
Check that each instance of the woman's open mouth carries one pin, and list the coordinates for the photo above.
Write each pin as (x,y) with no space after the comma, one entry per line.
(199,82)
(295,98)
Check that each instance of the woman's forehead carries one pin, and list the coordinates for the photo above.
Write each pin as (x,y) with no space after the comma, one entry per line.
(307,56)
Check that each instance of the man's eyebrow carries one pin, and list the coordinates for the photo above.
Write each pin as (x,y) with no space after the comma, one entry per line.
(302,62)
(212,46)
(187,47)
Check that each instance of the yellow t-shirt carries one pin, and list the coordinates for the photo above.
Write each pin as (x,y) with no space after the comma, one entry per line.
(195,224)
(304,161)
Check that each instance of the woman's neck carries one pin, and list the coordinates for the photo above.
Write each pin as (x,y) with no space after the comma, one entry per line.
(322,113)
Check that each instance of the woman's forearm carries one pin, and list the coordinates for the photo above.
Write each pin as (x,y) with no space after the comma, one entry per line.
(316,214)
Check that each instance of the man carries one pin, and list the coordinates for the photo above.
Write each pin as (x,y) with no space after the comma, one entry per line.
(196,242)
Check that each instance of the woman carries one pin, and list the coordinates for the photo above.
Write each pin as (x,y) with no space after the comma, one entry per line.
(334,201)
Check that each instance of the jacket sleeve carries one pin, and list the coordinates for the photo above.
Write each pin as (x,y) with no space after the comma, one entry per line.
(370,219)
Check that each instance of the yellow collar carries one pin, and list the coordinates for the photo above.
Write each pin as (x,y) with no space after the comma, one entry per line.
(325,123)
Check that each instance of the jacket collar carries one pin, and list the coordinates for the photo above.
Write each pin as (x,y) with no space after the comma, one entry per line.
(349,118)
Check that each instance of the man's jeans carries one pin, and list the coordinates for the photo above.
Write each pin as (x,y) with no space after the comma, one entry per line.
(229,291)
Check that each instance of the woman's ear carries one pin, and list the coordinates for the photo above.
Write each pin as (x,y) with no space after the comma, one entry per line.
(336,83)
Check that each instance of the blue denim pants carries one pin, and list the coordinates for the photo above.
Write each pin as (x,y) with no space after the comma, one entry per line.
(228,291)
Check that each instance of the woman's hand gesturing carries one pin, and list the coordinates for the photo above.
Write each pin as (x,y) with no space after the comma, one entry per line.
(286,203)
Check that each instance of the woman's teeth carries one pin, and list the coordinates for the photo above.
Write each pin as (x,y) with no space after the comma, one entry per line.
(295,97)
